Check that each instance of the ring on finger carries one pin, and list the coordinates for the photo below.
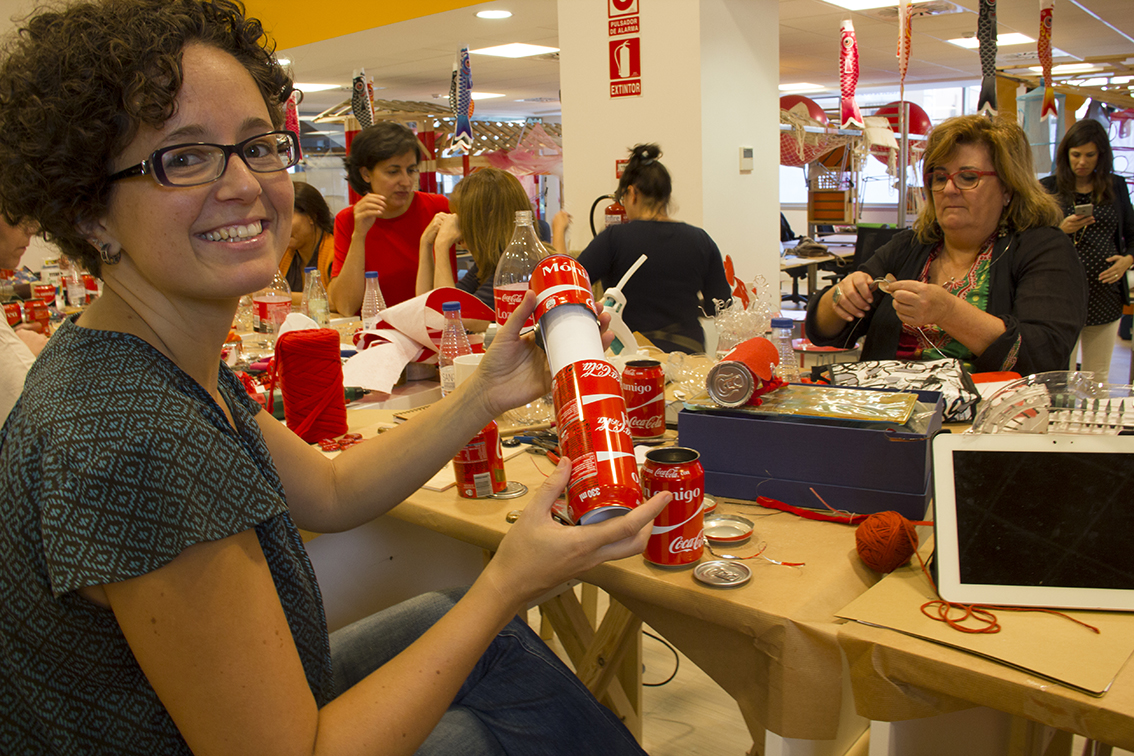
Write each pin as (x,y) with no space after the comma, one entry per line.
(838,295)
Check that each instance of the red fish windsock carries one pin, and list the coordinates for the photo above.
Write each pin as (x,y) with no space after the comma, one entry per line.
(1043,46)
(848,77)
(905,38)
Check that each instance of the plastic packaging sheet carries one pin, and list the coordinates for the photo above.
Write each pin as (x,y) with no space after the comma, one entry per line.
(826,402)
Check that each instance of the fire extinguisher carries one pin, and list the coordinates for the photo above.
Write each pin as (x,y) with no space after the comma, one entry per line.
(614,214)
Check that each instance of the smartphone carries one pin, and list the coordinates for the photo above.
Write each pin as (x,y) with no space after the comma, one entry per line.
(1084,210)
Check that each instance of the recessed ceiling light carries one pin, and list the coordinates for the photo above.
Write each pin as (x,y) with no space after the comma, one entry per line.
(494,14)
(316,87)
(515,50)
(802,86)
(1002,40)
(485,95)
(1068,68)
(857,5)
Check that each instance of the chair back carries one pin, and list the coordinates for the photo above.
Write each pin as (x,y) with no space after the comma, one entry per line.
(869,239)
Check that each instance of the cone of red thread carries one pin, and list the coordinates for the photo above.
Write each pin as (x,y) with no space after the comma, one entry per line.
(311,381)
(885,541)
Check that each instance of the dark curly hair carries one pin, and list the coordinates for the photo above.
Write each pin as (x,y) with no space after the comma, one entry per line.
(646,174)
(372,145)
(77,83)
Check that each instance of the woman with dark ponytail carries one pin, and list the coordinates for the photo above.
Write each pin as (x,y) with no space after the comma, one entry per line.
(1100,222)
(683,272)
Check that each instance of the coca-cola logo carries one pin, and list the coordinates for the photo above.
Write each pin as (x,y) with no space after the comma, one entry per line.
(612,424)
(645,422)
(679,545)
(597,369)
(511,297)
(675,472)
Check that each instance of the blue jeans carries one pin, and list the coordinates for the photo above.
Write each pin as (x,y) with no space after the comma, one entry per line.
(519,699)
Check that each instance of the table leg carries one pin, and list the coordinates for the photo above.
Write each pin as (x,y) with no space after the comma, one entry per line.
(599,655)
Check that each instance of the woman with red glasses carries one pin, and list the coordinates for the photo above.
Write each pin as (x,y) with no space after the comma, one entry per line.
(984,276)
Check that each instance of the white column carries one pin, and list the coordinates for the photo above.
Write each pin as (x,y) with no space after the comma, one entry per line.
(710,70)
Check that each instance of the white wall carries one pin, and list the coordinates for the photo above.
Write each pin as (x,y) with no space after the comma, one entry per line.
(709,85)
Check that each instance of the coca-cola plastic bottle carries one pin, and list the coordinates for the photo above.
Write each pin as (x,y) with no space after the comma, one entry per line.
(270,308)
(514,270)
(454,343)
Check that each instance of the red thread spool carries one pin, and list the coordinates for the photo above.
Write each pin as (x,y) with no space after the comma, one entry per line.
(311,381)
(885,541)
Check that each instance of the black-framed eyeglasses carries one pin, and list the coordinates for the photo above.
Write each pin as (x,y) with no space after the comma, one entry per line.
(202,163)
(964,179)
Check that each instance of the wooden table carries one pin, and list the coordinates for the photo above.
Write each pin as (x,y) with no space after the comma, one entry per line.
(771,644)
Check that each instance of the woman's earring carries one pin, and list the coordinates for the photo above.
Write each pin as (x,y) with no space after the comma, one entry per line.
(105,254)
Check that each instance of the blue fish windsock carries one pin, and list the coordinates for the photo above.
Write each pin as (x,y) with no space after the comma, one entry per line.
(460,100)
(986,36)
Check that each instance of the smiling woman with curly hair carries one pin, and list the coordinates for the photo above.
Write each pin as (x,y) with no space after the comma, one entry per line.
(155,596)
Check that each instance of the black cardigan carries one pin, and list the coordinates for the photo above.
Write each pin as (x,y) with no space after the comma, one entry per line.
(1037,287)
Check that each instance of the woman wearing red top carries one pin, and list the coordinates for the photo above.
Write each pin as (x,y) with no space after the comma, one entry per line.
(382,230)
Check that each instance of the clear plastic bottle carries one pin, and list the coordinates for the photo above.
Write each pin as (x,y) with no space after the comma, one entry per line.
(270,308)
(454,343)
(514,270)
(788,369)
(72,280)
(372,301)
(314,304)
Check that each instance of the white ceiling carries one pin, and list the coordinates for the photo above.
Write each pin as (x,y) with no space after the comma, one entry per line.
(413,60)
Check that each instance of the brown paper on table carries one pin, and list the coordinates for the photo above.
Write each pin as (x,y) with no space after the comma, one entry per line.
(1038,642)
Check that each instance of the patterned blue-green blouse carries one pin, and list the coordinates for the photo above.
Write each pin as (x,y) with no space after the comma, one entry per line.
(113,462)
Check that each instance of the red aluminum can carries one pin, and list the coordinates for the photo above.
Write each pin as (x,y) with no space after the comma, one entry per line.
(732,381)
(44,292)
(643,385)
(35,311)
(594,433)
(479,467)
(678,537)
(90,283)
(13,314)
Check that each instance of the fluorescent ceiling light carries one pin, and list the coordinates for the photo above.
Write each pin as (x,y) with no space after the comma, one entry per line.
(284,61)
(802,86)
(857,5)
(515,50)
(1002,40)
(1068,68)
(315,87)
(494,14)
(485,95)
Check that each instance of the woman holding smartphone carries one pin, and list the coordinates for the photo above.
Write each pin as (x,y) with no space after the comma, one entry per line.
(1100,221)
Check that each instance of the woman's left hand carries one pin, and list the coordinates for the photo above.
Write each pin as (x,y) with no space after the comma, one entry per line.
(921,304)
(1119,264)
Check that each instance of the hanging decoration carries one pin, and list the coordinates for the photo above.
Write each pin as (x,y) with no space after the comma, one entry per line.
(291,114)
(986,37)
(460,101)
(848,76)
(798,147)
(1043,47)
(361,105)
(905,39)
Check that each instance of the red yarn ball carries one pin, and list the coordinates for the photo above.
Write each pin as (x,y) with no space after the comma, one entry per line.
(885,541)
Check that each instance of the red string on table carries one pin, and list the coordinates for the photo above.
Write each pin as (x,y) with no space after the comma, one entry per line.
(309,369)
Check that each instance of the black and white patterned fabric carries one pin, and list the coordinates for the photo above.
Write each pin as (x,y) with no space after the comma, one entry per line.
(945,376)
(113,462)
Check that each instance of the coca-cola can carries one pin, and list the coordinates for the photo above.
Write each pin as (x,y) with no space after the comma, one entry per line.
(13,313)
(732,381)
(594,433)
(643,385)
(479,466)
(678,537)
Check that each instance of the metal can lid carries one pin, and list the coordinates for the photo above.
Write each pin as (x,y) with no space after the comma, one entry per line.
(513,490)
(709,504)
(730,383)
(727,528)
(723,573)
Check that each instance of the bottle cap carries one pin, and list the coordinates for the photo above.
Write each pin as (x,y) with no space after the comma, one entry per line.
(371,274)
(451,307)
(783,323)
(309,270)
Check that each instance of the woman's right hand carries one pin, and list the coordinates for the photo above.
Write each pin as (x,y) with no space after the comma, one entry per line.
(539,553)
(852,297)
(367,210)
(1073,223)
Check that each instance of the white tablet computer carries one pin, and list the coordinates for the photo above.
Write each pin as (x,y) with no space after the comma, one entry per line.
(1035,520)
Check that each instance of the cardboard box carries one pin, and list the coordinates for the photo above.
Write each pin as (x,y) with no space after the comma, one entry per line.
(861,470)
